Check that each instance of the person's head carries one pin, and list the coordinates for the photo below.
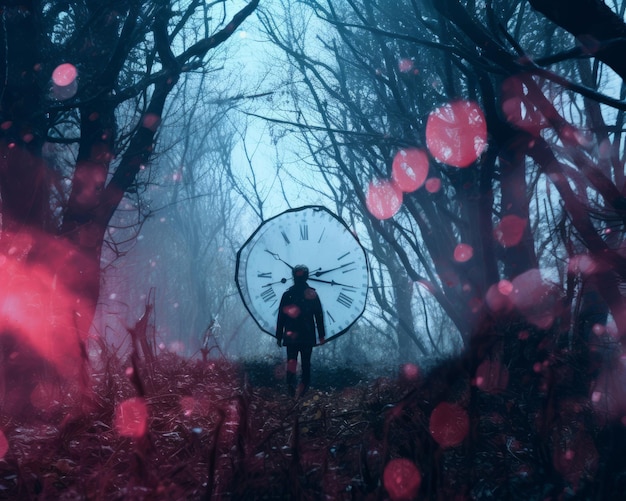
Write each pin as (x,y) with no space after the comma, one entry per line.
(300,274)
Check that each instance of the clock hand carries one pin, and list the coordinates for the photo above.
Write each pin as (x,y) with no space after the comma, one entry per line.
(281,281)
(331,282)
(278,258)
(320,273)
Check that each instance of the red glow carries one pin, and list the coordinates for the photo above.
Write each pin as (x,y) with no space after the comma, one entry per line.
(405,65)
(535,298)
(410,371)
(463,253)
(64,74)
(456,133)
(4,445)
(151,121)
(505,287)
(496,300)
(582,263)
(433,185)
(402,479)
(510,230)
(409,169)
(449,424)
(492,376)
(383,199)
(608,392)
(519,109)
(131,418)
(38,305)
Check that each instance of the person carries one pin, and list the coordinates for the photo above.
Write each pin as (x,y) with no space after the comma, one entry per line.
(300,314)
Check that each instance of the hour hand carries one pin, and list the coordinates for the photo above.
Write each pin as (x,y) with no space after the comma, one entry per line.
(278,258)
(281,281)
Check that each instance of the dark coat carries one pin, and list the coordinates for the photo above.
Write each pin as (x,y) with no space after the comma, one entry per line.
(299,313)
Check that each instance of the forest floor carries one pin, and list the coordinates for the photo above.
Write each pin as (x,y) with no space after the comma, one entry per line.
(223,430)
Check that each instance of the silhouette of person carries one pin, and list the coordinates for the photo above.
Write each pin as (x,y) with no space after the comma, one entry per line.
(299,314)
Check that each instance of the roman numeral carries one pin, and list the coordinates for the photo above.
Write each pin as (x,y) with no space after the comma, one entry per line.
(344,300)
(304,232)
(282,232)
(268,294)
(264,275)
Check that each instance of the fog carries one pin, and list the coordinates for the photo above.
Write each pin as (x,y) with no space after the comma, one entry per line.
(450,172)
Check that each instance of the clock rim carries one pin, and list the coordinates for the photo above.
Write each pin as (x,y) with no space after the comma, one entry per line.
(267,221)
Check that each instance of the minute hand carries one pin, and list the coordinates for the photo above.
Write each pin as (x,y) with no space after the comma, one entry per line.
(332,282)
(320,273)
(278,258)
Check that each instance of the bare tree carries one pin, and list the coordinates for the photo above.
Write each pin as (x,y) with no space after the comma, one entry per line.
(366,90)
(84,89)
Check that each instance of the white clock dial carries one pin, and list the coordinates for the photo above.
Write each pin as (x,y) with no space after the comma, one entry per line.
(315,237)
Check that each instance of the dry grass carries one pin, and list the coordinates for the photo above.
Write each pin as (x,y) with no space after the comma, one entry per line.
(219,431)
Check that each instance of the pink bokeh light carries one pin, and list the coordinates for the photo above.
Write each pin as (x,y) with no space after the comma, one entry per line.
(410,371)
(518,108)
(402,479)
(449,424)
(64,75)
(383,199)
(39,308)
(535,298)
(496,300)
(510,230)
(131,418)
(405,65)
(456,133)
(433,185)
(463,253)
(409,169)
(151,121)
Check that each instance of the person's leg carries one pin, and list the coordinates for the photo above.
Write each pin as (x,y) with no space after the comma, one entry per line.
(292,364)
(305,354)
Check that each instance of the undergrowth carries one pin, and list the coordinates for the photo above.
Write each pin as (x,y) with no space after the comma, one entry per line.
(223,430)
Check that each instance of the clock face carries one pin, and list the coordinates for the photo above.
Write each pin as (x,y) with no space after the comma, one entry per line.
(315,237)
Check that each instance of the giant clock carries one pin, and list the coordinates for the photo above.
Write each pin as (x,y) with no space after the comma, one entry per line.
(315,237)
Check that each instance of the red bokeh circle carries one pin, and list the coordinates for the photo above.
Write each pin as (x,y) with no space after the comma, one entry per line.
(383,199)
(409,169)
(449,424)
(402,479)
(433,185)
(64,74)
(509,231)
(456,133)
(131,418)
(463,253)
(519,109)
